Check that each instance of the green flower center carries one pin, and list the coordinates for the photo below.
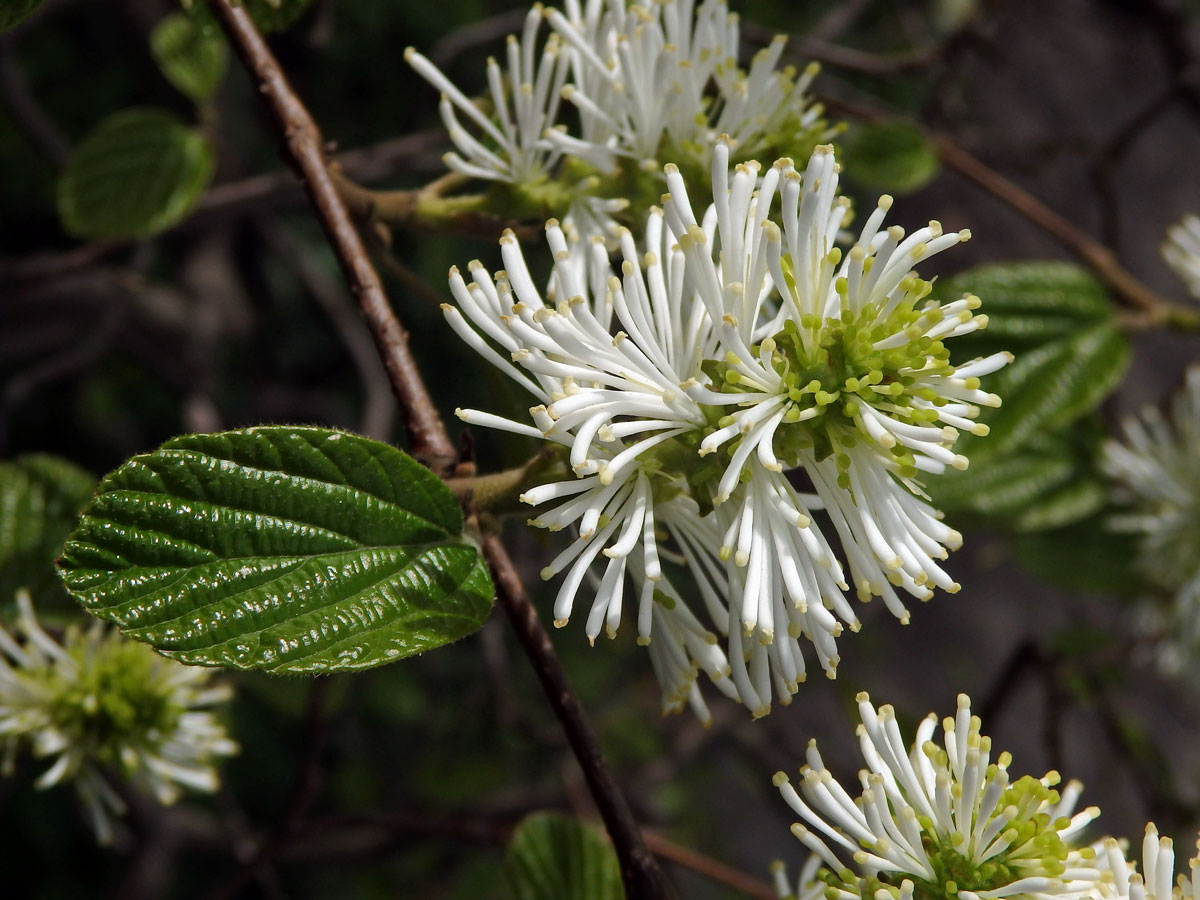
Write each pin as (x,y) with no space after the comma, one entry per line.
(832,367)
(118,700)
(1033,847)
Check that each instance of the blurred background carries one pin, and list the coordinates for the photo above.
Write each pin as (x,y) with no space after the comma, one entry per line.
(403,782)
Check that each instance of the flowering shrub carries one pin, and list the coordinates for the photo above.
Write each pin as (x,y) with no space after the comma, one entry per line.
(736,402)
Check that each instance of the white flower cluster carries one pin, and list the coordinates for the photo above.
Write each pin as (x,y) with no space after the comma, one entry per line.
(99,703)
(945,819)
(1155,471)
(1182,252)
(647,82)
(734,374)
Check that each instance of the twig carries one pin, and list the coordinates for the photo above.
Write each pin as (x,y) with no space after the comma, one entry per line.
(253,194)
(499,492)
(429,208)
(1155,309)
(427,435)
(708,867)
(357,834)
(257,192)
(640,871)
(1097,256)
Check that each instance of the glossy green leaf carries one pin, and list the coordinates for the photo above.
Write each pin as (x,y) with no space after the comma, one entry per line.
(138,172)
(555,857)
(284,549)
(40,500)
(191,53)
(1029,303)
(892,156)
(14,12)
(1053,385)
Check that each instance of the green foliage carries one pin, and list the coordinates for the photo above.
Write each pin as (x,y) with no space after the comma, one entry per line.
(284,549)
(1028,303)
(1056,384)
(40,500)
(138,172)
(891,156)
(555,857)
(14,12)
(192,55)
(1069,355)
(1083,556)
(1036,469)
(1049,482)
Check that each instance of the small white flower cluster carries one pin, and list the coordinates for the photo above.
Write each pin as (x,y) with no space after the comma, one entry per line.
(99,703)
(1181,250)
(1155,471)
(736,373)
(647,82)
(945,820)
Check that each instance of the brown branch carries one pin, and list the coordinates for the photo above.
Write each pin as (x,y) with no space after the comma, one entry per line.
(254,193)
(708,867)
(642,876)
(347,836)
(427,435)
(1154,309)
(1097,256)
(640,871)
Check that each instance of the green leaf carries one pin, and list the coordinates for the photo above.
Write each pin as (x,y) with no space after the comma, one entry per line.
(1070,503)
(1001,487)
(1027,303)
(1051,386)
(138,172)
(284,549)
(14,12)
(40,500)
(892,156)
(1048,483)
(191,53)
(555,857)
(1084,556)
